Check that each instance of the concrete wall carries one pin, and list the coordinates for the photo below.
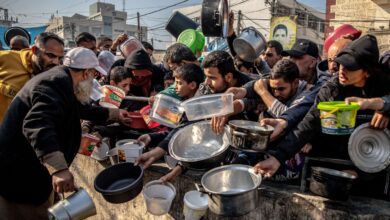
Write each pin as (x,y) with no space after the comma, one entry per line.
(370,16)
(276,201)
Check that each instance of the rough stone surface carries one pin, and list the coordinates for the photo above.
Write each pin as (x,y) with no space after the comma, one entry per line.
(276,201)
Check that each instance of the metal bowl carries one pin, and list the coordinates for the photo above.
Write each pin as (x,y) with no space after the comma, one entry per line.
(198,145)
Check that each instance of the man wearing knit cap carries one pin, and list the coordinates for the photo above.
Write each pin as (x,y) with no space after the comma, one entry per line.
(41,132)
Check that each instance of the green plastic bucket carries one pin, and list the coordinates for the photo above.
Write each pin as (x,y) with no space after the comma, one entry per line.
(338,118)
(193,39)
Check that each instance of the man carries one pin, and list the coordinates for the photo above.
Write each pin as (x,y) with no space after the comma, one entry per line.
(335,49)
(86,40)
(280,34)
(176,55)
(357,77)
(220,74)
(17,67)
(149,49)
(305,54)
(41,133)
(273,53)
(18,43)
(103,43)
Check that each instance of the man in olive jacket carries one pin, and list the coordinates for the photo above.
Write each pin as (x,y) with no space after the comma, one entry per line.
(41,132)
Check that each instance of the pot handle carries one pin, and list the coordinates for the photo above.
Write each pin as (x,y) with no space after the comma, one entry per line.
(200,189)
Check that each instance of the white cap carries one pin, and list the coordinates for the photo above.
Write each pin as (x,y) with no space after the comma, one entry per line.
(83,58)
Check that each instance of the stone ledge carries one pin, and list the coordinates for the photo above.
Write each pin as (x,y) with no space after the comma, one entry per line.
(276,201)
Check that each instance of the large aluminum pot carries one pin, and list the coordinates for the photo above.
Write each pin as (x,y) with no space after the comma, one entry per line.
(215,18)
(79,205)
(248,135)
(198,147)
(249,44)
(232,189)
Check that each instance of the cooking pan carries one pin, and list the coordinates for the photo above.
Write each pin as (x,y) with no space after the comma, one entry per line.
(14,31)
(215,18)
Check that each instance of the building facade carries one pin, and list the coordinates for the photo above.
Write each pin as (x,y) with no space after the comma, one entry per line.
(369,16)
(103,19)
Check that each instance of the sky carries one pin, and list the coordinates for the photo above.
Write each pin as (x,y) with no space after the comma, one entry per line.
(37,12)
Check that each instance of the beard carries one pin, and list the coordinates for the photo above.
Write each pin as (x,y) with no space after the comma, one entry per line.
(83,90)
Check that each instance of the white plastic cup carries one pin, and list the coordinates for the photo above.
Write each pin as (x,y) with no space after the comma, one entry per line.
(195,205)
(158,197)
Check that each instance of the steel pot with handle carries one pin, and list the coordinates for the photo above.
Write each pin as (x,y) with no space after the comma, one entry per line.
(249,44)
(232,189)
(215,18)
(248,135)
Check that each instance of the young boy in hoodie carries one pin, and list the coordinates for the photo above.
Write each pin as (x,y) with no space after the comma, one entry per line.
(187,80)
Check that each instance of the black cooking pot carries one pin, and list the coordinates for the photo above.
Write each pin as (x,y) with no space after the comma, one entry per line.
(178,23)
(215,18)
(14,31)
(120,183)
(332,184)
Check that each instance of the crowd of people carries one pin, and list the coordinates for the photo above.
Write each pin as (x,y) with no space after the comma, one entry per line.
(46,105)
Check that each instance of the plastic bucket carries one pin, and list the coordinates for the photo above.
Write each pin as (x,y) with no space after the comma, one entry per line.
(113,97)
(130,45)
(178,22)
(88,144)
(195,205)
(129,150)
(193,39)
(166,111)
(337,118)
(158,197)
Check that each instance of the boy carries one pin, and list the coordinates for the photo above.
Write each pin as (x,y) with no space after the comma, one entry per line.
(188,77)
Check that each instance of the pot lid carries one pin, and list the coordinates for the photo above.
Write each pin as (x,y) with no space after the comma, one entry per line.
(369,149)
(250,126)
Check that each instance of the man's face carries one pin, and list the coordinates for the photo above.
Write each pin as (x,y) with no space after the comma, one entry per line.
(335,49)
(283,90)
(356,78)
(84,87)
(215,80)
(49,56)
(305,64)
(182,88)
(89,45)
(271,57)
(281,36)
(106,45)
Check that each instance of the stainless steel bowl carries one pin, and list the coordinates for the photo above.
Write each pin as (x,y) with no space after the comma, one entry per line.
(198,146)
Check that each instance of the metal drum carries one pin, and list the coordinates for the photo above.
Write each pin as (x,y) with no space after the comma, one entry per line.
(369,149)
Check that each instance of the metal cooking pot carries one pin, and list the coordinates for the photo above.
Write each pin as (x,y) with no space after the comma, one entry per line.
(330,183)
(232,189)
(120,183)
(249,44)
(178,23)
(79,205)
(198,147)
(248,135)
(215,18)
(15,31)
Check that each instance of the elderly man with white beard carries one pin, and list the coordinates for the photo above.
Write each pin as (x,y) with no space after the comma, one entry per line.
(41,132)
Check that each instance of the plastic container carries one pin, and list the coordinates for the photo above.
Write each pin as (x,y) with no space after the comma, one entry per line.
(178,22)
(129,150)
(100,153)
(208,106)
(137,121)
(113,97)
(193,39)
(130,45)
(167,111)
(145,111)
(195,205)
(337,118)
(88,144)
(158,197)
(96,93)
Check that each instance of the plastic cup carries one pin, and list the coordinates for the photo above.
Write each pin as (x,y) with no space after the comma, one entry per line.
(195,205)
(158,197)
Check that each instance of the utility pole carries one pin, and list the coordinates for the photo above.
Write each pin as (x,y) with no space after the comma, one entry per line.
(138,27)
(239,22)
(152,41)
(273,8)
(124,3)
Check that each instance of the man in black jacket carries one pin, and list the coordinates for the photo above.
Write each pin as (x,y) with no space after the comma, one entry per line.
(357,77)
(41,133)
